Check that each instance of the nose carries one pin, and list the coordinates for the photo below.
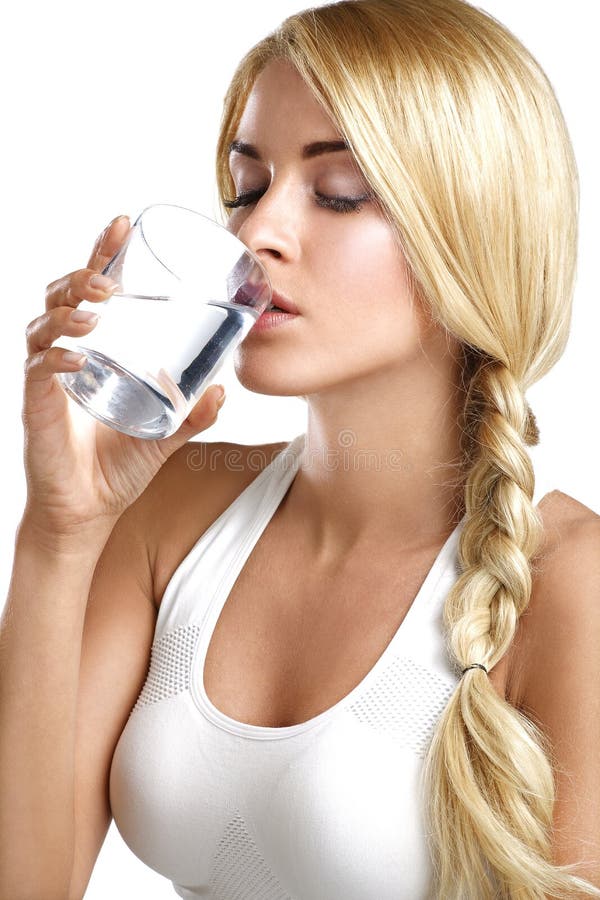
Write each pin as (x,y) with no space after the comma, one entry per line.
(269,227)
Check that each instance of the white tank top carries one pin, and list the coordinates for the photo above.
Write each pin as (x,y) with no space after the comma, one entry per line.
(328,809)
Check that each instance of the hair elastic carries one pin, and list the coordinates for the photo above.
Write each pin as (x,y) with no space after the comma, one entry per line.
(475,665)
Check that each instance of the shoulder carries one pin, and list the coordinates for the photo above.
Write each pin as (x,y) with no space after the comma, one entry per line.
(196,484)
(565,595)
(568,559)
(558,673)
(208,476)
(210,467)
(224,458)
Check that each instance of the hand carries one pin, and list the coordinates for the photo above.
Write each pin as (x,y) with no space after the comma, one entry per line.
(82,478)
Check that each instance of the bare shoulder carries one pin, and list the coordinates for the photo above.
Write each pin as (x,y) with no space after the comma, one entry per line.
(219,469)
(559,673)
(196,484)
(223,459)
(209,472)
(564,601)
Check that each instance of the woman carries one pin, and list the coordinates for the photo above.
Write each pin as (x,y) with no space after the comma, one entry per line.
(374,674)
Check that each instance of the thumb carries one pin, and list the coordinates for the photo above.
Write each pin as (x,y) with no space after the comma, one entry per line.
(202,416)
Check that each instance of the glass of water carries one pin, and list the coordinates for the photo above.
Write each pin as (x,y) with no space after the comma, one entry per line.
(189,292)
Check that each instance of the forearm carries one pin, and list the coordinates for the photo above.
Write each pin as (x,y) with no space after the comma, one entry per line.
(40,647)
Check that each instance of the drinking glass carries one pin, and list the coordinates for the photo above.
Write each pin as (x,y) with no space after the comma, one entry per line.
(189,292)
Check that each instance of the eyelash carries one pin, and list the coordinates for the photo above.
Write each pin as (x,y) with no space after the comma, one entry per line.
(338,204)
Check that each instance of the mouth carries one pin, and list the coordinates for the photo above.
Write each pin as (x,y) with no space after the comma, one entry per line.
(282,304)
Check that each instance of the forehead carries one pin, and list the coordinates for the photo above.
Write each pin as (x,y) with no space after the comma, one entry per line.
(281,102)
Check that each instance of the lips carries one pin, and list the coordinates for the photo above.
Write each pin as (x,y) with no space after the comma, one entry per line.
(280,302)
(249,294)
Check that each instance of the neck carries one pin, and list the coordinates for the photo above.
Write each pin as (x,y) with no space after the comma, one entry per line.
(382,464)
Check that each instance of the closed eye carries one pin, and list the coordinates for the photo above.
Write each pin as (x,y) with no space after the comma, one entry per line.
(338,204)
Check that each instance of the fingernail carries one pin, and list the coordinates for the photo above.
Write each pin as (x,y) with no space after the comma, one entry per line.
(81,315)
(102,283)
(118,219)
(220,395)
(70,356)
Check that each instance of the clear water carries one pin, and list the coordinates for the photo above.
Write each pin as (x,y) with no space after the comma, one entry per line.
(149,359)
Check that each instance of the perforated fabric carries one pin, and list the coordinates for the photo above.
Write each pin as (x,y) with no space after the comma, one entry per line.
(328,809)
(240,869)
(404,703)
(170,661)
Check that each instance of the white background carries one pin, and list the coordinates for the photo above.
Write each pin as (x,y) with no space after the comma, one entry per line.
(111,106)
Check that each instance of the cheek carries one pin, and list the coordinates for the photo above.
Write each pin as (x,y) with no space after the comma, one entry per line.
(363,270)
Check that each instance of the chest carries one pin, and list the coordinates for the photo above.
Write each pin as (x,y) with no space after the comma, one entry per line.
(291,642)
(286,647)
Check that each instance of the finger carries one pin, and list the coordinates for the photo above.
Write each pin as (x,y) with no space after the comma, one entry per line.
(108,243)
(39,384)
(203,415)
(43,331)
(71,289)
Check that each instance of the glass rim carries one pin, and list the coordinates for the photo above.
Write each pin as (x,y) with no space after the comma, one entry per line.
(208,219)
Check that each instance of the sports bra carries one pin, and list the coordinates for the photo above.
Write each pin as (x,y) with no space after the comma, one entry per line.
(326,809)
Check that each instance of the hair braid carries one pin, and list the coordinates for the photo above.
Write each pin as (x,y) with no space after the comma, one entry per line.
(488,768)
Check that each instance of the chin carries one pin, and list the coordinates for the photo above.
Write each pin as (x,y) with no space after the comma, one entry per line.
(272,380)
(262,380)
(298,374)
(269,386)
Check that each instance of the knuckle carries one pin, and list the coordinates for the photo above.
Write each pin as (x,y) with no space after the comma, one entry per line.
(57,285)
(78,284)
(67,289)
(55,291)
(33,361)
(31,332)
(81,278)
(33,329)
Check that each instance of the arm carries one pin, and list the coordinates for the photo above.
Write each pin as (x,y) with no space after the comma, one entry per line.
(61,707)
(562,687)
(40,642)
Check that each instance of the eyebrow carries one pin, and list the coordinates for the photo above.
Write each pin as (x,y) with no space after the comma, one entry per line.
(308,151)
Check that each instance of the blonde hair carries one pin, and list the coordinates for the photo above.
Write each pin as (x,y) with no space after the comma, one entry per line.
(461,137)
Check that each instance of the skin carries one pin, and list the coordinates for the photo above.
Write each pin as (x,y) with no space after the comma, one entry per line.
(379,376)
